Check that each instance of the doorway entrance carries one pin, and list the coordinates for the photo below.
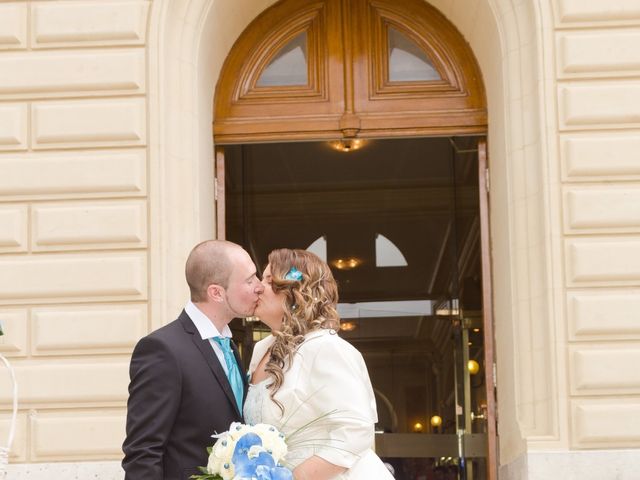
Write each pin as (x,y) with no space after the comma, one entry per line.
(355,129)
(398,221)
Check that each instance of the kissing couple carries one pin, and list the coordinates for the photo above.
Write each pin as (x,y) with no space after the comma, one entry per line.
(187,383)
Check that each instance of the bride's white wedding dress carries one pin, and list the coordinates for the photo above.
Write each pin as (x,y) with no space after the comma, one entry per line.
(329,406)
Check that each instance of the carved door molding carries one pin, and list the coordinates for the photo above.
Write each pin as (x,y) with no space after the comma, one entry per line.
(348,68)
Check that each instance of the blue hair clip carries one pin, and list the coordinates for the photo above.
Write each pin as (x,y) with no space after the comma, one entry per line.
(294,274)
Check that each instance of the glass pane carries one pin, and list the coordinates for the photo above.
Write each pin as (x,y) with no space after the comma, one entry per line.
(397,220)
(407,61)
(289,66)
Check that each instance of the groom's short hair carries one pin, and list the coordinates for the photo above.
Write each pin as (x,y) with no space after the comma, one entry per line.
(209,263)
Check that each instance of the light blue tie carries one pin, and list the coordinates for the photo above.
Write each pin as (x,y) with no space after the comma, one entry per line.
(233,373)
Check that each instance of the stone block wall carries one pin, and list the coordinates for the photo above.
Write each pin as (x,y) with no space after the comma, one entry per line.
(73,220)
(598,94)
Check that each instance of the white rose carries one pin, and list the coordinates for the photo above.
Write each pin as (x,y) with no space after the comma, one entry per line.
(214,464)
(278,450)
(262,429)
(237,430)
(224,448)
(272,440)
(227,472)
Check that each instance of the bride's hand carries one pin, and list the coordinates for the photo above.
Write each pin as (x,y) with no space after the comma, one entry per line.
(316,468)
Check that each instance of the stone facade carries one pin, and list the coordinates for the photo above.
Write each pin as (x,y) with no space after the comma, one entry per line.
(105,123)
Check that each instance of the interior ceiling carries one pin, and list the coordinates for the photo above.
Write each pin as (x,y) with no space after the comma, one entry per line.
(421,194)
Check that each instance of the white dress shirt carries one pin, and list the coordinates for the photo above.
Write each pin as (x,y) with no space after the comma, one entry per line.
(208,331)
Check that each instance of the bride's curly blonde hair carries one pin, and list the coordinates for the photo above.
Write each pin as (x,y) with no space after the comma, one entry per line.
(309,304)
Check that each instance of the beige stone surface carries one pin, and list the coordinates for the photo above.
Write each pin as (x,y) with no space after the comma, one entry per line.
(87,23)
(605,422)
(87,329)
(604,314)
(89,225)
(595,53)
(601,208)
(68,383)
(18,452)
(74,227)
(13,25)
(54,278)
(600,156)
(603,261)
(89,435)
(599,104)
(597,11)
(74,174)
(13,228)
(14,342)
(13,126)
(85,123)
(77,73)
(605,369)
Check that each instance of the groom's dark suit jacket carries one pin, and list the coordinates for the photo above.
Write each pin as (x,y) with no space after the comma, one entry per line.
(179,396)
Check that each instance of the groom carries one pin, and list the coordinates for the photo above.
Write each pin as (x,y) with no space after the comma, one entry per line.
(186,382)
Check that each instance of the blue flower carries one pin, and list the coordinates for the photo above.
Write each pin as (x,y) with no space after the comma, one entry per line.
(274,473)
(293,274)
(261,466)
(281,473)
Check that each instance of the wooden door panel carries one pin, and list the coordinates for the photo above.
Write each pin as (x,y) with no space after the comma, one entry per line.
(244,109)
(457,99)
(348,92)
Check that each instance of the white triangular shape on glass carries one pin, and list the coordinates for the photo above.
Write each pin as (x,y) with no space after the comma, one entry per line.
(289,66)
(319,247)
(407,61)
(387,254)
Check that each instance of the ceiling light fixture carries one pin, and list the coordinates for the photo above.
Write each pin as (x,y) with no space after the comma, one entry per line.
(347,145)
(346,263)
(348,326)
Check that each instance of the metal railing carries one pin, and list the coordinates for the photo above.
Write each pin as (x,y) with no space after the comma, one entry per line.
(4,451)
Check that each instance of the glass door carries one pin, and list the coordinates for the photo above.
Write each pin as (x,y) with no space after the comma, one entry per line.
(398,222)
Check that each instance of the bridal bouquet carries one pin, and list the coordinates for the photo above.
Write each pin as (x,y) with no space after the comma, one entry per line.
(247,452)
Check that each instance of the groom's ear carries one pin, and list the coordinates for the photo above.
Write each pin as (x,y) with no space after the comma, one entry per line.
(215,293)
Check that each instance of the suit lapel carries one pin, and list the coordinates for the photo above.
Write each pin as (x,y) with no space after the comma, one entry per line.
(212,360)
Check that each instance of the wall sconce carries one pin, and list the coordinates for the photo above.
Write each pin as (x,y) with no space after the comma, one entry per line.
(436,421)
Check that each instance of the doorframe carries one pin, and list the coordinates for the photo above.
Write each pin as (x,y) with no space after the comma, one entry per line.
(487,312)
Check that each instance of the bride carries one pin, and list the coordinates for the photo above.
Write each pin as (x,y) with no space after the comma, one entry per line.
(306,380)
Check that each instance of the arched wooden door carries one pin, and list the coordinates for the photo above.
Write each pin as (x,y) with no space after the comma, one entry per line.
(360,70)
(345,68)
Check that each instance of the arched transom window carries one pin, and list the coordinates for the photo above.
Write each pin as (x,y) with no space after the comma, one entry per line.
(345,68)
